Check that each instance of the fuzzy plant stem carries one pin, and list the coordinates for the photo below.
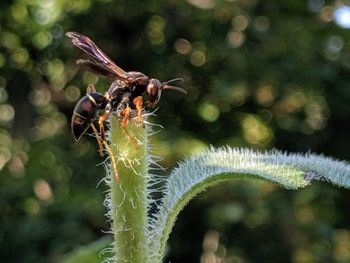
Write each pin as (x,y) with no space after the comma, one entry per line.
(127,200)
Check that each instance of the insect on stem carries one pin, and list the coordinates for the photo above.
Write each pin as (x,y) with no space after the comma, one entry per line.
(125,92)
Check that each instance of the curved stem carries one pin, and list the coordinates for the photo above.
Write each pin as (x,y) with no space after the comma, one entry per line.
(194,175)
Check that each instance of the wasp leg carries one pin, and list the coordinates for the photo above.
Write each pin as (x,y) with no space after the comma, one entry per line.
(98,139)
(126,113)
(109,150)
(139,105)
(101,121)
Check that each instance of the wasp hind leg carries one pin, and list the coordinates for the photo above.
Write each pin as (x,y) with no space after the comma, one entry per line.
(101,142)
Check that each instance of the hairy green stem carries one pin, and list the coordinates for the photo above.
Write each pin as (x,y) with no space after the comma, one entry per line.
(142,239)
(128,196)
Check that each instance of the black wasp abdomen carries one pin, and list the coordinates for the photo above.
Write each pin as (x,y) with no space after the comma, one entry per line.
(85,112)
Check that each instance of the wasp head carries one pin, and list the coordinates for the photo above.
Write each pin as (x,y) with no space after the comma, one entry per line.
(154,89)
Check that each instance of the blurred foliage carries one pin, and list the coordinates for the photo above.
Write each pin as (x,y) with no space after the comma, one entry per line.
(90,253)
(260,74)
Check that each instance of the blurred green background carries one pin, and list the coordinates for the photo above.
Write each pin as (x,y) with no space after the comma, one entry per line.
(259,74)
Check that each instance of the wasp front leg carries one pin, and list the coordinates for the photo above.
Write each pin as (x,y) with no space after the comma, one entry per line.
(126,115)
(139,105)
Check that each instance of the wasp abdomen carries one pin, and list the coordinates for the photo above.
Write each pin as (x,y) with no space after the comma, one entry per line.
(85,112)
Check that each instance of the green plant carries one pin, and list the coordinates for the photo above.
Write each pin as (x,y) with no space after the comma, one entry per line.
(140,236)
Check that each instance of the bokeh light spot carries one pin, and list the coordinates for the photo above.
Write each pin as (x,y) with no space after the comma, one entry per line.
(188,146)
(156,37)
(42,17)
(261,23)
(230,213)
(155,30)
(342,16)
(182,46)
(20,56)
(202,4)
(9,40)
(198,58)
(5,156)
(256,132)
(72,93)
(19,12)
(7,113)
(40,97)
(156,23)
(5,139)
(265,95)
(333,47)
(50,126)
(57,31)
(42,39)
(56,68)
(90,78)
(326,14)
(239,94)
(291,103)
(47,159)
(211,241)
(16,166)
(32,206)
(335,43)
(316,115)
(342,249)
(3,95)
(240,22)
(302,255)
(43,190)
(209,112)
(235,38)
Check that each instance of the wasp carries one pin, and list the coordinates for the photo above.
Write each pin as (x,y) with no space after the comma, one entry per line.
(123,96)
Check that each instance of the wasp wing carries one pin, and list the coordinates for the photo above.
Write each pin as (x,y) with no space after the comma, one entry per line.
(101,59)
(98,68)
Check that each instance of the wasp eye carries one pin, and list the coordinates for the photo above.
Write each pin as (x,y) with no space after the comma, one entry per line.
(153,91)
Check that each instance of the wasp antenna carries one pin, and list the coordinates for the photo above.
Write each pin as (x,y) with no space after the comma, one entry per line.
(173,80)
(167,87)
(91,89)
